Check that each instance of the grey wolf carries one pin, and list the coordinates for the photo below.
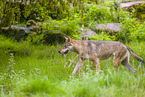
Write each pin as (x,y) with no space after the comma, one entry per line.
(99,50)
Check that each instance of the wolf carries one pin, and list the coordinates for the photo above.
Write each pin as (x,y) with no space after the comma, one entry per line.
(99,50)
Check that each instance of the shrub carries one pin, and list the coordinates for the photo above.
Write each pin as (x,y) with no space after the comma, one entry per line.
(102,37)
(132,30)
(109,12)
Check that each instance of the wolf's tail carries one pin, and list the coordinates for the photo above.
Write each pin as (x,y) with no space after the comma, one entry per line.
(133,54)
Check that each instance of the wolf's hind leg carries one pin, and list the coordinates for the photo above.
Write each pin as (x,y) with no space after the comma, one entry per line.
(118,57)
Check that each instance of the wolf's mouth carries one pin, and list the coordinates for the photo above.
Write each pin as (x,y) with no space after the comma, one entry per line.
(65,52)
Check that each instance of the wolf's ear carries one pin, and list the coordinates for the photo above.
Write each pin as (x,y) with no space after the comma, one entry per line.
(69,39)
(66,38)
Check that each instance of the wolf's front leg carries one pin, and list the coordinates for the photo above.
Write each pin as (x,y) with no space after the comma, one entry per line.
(80,63)
(96,64)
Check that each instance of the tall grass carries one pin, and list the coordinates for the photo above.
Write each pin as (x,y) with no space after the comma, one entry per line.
(38,71)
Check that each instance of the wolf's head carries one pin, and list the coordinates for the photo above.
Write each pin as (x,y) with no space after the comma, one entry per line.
(67,46)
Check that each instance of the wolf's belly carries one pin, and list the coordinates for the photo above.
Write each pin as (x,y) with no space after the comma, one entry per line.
(104,56)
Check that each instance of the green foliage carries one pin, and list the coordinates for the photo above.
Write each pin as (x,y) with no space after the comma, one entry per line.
(102,37)
(54,30)
(138,11)
(21,11)
(102,13)
(84,10)
(132,30)
(66,19)
(68,27)
(6,14)
(35,38)
(90,15)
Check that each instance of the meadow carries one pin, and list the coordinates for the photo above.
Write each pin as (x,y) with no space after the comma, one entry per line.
(38,71)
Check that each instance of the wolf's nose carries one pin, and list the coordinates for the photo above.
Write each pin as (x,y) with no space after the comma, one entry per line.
(59,51)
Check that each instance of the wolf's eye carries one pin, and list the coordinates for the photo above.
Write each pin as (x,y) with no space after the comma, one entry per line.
(65,45)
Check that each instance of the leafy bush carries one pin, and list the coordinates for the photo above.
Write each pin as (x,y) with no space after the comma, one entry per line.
(138,11)
(102,37)
(53,31)
(109,12)
(132,30)
(21,11)
(67,27)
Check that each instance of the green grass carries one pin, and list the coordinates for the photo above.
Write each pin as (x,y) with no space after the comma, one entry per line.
(38,71)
